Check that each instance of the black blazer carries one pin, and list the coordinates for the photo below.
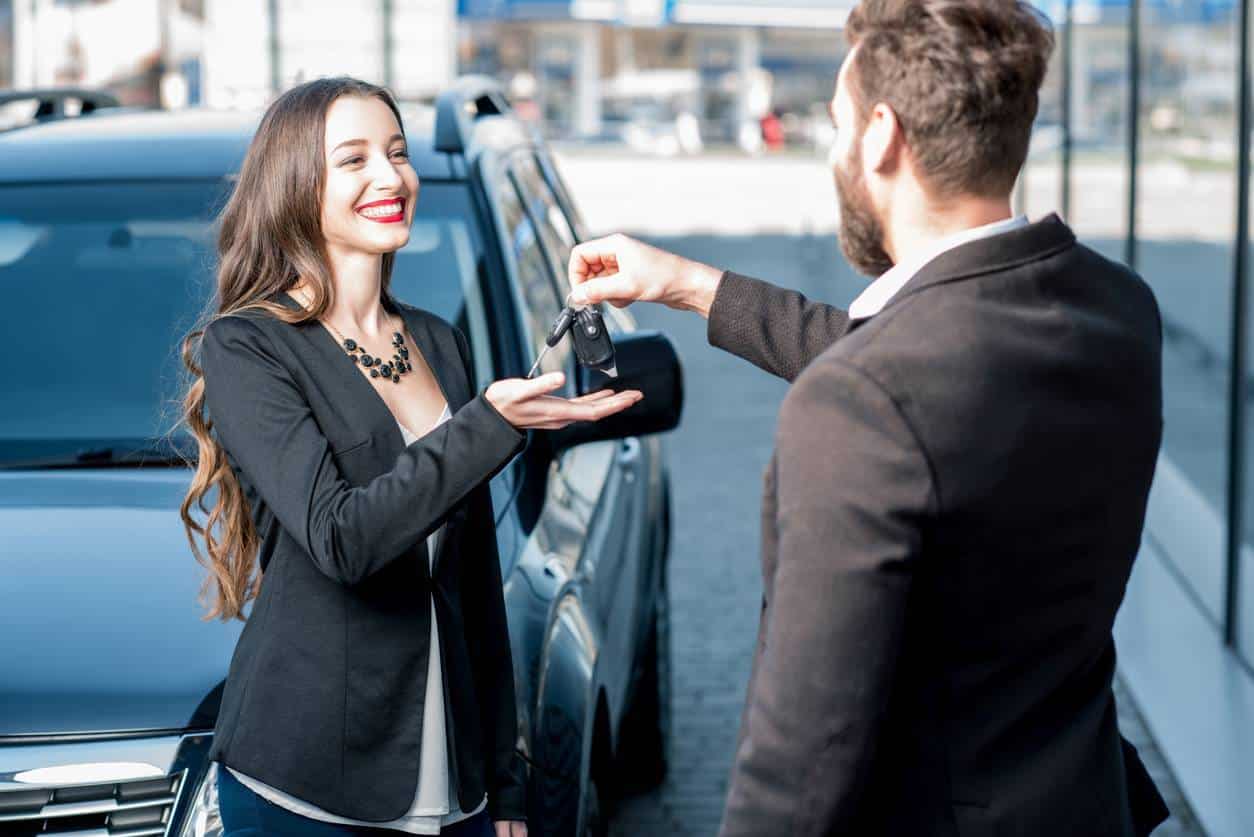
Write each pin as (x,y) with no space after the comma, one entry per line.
(324,697)
(951,515)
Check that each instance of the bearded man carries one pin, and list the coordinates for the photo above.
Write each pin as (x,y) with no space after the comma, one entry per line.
(961,468)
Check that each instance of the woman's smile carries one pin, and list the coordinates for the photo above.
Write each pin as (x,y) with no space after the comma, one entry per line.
(390,211)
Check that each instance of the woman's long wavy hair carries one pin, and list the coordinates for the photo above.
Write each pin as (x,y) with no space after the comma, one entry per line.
(270,238)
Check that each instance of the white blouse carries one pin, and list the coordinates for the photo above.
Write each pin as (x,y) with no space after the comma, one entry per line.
(433,805)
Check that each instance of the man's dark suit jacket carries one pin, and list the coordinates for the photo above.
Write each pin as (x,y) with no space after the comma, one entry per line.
(324,696)
(950,519)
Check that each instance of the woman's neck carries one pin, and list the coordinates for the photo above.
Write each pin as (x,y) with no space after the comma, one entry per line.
(357,308)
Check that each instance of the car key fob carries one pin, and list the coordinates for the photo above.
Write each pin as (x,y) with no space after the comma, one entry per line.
(561,325)
(593,346)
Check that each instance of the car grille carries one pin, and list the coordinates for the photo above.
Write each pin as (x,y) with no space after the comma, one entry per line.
(110,809)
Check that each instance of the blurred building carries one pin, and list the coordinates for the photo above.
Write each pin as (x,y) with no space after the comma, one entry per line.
(224,53)
(6,43)
(146,51)
(255,48)
(605,68)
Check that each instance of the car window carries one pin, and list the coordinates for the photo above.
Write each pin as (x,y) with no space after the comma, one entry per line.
(558,231)
(553,176)
(555,230)
(102,281)
(100,284)
(535,277)
(441,268)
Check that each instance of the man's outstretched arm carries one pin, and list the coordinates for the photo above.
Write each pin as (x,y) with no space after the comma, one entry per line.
(775,329)
(853,489)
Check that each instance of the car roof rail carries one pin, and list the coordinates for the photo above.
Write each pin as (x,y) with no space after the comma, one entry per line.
(457,107)
(50,101)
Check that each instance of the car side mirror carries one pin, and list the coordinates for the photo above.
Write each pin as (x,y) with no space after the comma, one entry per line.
(647,361)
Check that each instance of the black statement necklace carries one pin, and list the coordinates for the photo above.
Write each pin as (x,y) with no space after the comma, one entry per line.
(379,368)
(397,366)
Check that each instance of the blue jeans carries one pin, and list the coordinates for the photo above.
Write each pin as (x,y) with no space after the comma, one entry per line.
(245,814)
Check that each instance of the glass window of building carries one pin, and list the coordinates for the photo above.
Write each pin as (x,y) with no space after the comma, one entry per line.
(6,43)
(1244,616)
(1039,190)
(1099,129)
(1185,228)
(556,54)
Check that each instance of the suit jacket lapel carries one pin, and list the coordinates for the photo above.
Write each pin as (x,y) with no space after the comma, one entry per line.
(367,409)
(441,356)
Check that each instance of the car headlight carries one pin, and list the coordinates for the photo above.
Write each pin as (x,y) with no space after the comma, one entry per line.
(203,820)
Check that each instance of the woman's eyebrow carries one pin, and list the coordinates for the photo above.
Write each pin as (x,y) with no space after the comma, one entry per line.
(391,140)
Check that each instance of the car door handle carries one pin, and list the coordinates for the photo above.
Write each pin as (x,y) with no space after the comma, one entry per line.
(555,567)
(629,452)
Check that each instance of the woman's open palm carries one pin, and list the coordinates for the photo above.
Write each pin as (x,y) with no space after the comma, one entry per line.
(527,404)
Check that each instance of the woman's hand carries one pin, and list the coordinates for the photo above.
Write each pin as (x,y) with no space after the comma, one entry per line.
(511,828)
(527,405)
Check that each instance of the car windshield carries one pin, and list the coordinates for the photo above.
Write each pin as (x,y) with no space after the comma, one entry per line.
(100,283)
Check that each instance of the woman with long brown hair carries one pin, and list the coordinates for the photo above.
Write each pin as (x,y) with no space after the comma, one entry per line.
(372,686)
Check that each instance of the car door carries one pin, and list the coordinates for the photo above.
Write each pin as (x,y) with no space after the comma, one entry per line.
(614,559)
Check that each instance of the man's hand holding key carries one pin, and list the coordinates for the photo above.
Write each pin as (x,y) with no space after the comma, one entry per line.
(621,270)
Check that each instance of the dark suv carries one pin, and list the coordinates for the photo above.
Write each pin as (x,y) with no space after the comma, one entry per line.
(109,677)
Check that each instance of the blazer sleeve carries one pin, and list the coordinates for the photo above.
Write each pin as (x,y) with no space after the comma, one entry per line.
(483,602)
(853,490)
(262,418)
(775,329)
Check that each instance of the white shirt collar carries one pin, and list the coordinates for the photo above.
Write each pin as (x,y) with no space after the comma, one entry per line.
(878,294)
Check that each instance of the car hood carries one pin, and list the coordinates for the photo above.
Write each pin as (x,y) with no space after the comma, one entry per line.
(101,626)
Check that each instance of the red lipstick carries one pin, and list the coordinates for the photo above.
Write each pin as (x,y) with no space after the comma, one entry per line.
(391,218)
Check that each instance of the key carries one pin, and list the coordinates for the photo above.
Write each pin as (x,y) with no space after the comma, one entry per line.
(534,368)
(561,325)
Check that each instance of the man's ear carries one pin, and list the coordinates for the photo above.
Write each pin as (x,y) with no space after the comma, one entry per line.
(883,141)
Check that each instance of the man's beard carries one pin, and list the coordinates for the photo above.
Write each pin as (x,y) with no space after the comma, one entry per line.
(861,232)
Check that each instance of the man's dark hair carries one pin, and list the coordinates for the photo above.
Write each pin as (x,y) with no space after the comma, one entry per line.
(963,78)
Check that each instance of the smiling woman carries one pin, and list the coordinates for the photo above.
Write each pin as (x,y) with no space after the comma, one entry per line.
(308,240)
(379,543)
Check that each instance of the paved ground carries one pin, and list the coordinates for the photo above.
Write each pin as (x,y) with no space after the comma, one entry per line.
(719,453)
